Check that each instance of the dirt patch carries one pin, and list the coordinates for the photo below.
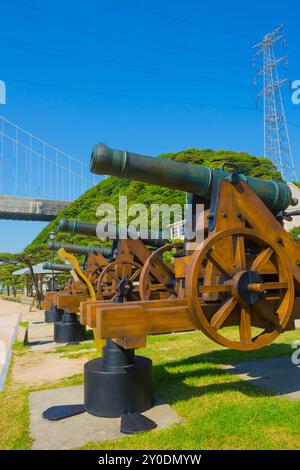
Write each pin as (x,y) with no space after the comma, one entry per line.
(37,368)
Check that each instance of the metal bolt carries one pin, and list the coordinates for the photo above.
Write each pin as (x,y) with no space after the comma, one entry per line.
(280,241)
(239,215)
(224,215)
(298,263)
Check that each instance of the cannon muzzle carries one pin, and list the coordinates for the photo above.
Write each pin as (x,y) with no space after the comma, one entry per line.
(73,226)
(80,249)
(194,179)
(87,228)
(57,267)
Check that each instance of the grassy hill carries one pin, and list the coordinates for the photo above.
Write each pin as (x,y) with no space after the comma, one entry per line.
(84,208)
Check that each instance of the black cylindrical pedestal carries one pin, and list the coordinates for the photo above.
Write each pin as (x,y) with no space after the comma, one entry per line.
(118,383)
(53,314)
(69,330)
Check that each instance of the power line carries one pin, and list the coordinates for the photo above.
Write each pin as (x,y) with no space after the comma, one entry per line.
(182,20)
(139,98)
(100,61)
(137,36)
(127,96)
(230,59)
(95,35)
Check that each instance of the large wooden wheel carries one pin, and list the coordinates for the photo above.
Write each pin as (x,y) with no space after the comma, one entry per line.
(114,272)
(94,275)
(75,287)
(254,287)
(157,279)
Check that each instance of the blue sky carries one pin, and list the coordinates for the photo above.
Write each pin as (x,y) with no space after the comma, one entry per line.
(151,77)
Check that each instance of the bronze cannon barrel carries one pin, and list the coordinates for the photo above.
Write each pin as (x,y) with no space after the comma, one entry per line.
(87,228)
(80,249)
(57,267)
(194,179)
(74,226)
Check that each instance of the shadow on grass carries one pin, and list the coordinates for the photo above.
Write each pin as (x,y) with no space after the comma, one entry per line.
(174,387)
(231,356)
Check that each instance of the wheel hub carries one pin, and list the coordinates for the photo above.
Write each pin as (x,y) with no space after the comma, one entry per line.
(248,286)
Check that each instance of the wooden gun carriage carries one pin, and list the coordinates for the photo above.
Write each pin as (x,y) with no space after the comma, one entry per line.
(245,274)
(126,258)
(71,295)
(105,269)
(240,286)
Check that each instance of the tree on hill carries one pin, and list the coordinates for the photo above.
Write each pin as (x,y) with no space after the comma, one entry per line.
(7,280)
(257,167)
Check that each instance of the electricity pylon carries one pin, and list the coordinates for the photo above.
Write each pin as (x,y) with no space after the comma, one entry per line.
(277,144)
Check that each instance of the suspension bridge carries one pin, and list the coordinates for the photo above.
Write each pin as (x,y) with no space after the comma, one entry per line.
(37,180)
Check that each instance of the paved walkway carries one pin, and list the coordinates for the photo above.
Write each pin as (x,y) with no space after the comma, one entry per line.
(10,313)
(78,430)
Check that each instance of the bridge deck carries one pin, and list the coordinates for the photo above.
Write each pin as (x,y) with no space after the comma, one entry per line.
(19,208)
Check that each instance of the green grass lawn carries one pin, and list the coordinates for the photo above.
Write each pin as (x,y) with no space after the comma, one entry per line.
(219,410)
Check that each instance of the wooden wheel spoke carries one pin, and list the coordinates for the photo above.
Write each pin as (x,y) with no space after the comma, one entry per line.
(217,288)
(240,255)
(282,307)
(262,259)
(220,264)
(135,275)
(264,286)
(276,285)
(169,270)
(155,287)
(245,325)
(223,313)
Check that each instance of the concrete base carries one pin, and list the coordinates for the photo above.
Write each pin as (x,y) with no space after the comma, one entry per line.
(78,430)
(278,375)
